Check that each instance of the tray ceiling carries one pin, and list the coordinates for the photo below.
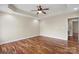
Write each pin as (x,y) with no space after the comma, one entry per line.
(26,9)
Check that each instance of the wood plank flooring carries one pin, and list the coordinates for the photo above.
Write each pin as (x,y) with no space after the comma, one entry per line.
(73,45)
(38,45)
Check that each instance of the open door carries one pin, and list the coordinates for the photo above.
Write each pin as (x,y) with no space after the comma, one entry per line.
(73,34)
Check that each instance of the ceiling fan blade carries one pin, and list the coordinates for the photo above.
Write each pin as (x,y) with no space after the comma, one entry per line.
(45,9)
(43,12)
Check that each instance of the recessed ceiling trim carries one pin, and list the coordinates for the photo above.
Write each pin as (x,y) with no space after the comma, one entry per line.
(15,9)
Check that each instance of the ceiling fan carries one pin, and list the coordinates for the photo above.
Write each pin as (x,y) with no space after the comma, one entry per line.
(41,10)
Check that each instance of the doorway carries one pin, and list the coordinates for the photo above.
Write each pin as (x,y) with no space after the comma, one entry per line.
(73,34)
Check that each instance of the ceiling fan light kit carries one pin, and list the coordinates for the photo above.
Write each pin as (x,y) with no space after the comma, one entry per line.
(39,12)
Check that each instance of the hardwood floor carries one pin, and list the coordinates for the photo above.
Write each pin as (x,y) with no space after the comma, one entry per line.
(38,45)
(73,44)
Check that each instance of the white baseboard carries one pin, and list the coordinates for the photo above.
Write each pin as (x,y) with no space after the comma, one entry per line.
(16,40)
(4,42)
(52,37)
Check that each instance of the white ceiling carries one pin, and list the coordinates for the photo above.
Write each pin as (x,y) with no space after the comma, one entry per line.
(54,9)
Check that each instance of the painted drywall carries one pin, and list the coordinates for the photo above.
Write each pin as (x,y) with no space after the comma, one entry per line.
(56,26)
(16,27)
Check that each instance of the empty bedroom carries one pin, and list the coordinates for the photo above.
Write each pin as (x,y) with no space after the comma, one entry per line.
(39,28)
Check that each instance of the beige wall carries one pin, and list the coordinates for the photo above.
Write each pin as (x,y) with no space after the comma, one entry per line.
(15,27)
(56,26)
